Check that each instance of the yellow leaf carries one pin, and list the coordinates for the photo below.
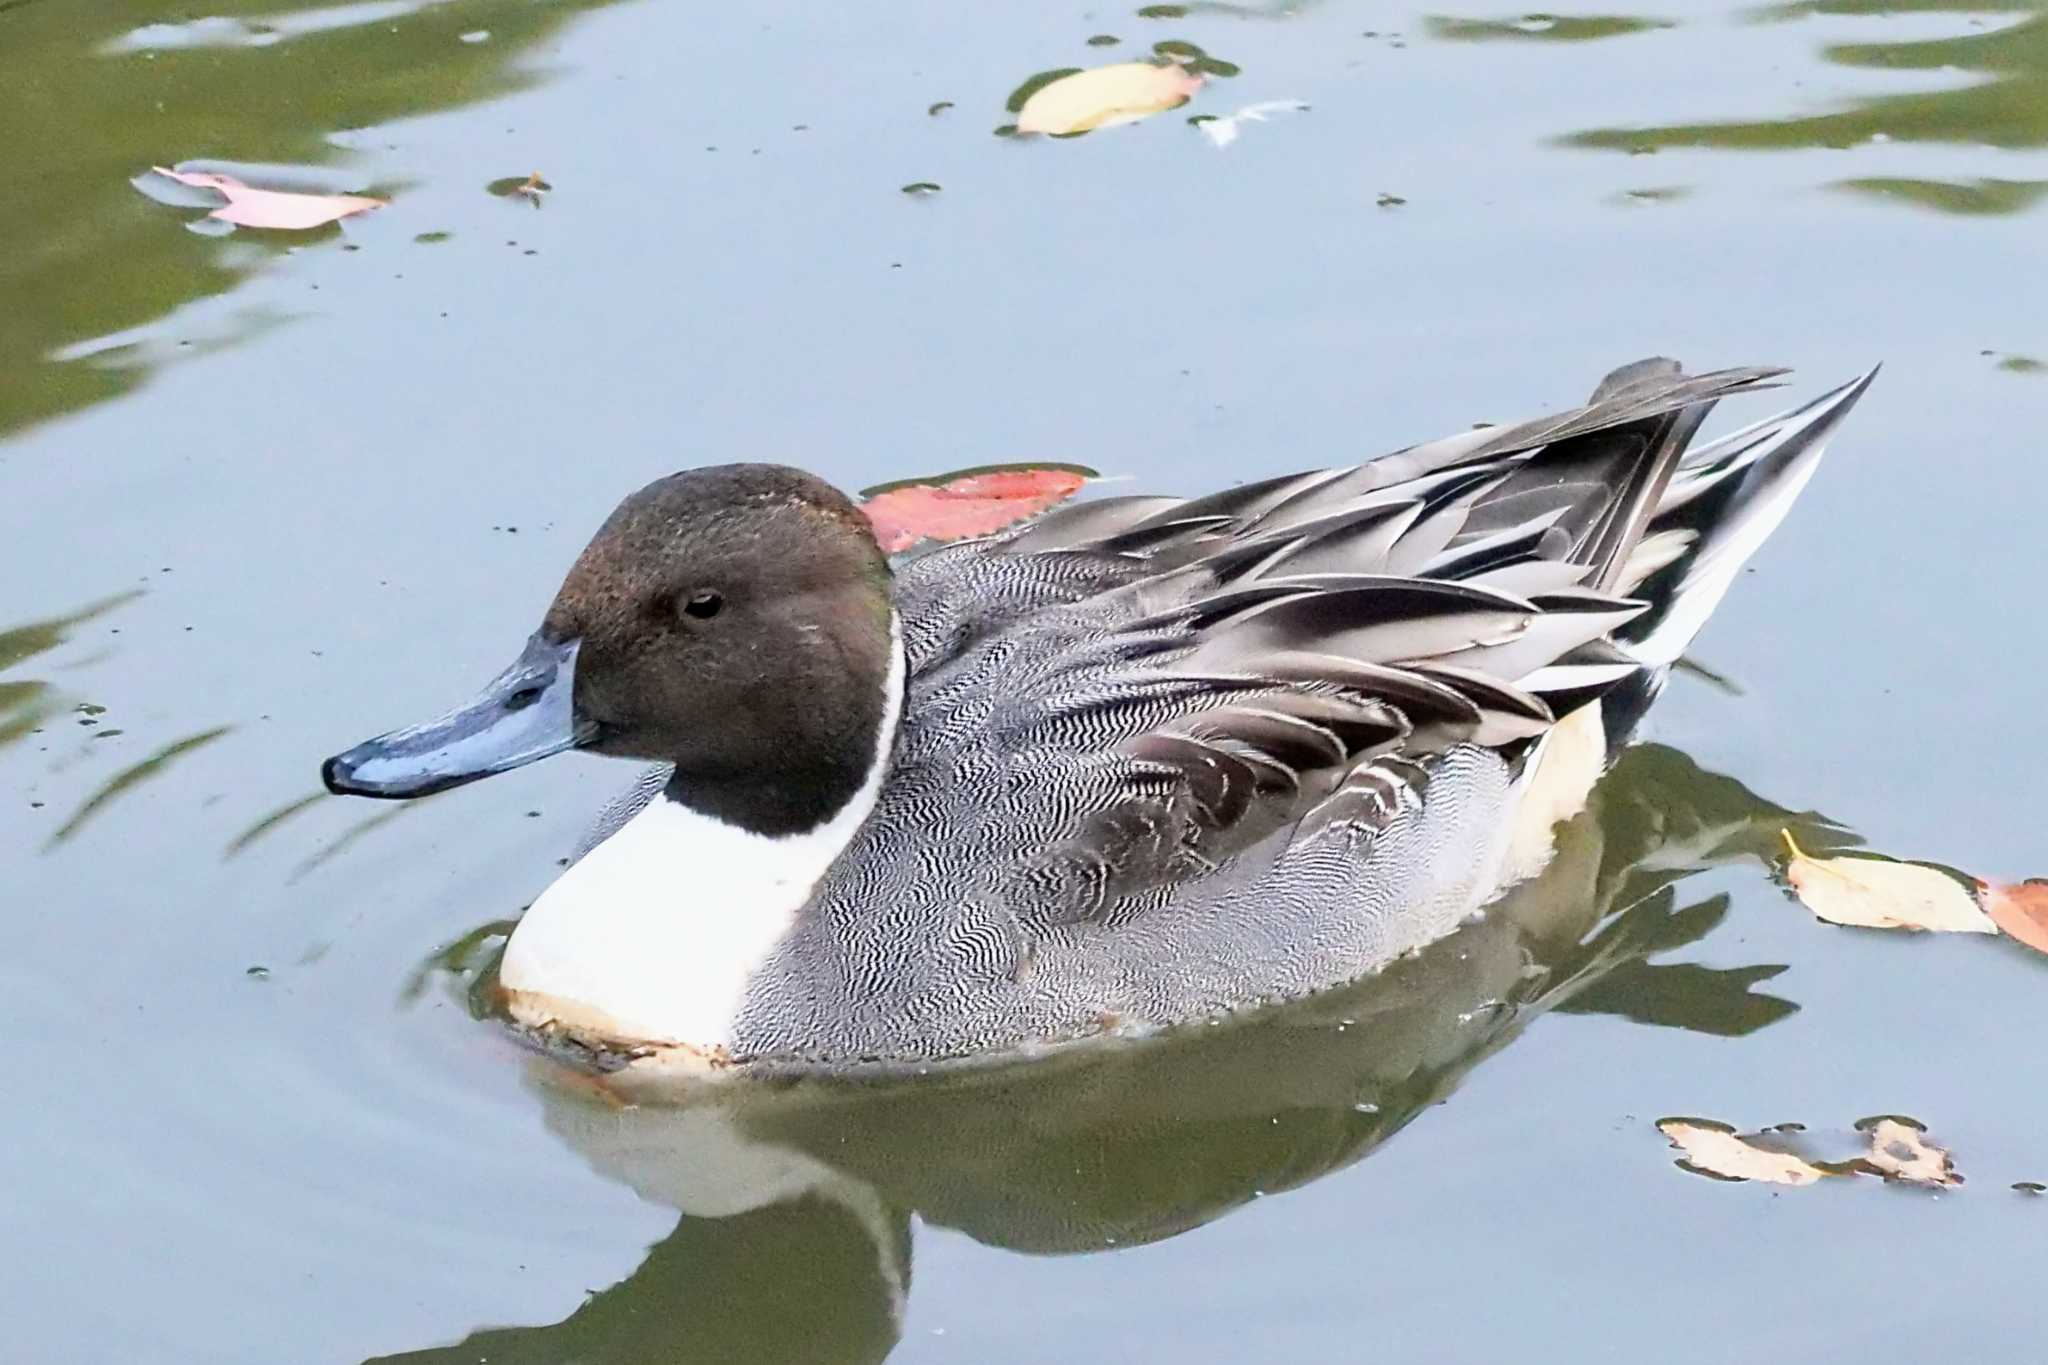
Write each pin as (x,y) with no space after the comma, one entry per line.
(1715,1149)
(1876,893)
(1901,1151)
(1105,96)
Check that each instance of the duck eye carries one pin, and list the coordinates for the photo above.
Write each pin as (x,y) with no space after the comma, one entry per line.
(703,605)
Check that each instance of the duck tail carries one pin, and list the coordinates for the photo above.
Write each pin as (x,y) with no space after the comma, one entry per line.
(1649,451)
(1708,516)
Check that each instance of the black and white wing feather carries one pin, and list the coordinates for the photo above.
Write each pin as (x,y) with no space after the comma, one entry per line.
(1190,678)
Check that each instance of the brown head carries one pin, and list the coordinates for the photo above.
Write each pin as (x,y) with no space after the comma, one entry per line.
(734,621)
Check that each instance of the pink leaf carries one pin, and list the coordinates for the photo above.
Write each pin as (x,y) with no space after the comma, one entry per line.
(2020,909)
(250,207)
(972,503)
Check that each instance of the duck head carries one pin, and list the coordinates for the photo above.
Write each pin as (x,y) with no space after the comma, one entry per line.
(734,621)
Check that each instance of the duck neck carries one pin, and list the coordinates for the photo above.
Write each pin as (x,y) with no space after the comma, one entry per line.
(657,935)
(799,797)
(833,755)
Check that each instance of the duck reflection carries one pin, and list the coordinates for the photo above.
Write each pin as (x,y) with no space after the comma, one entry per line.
(796,1199)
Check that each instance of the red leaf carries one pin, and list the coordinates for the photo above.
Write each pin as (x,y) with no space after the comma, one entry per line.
(971,503)
(2020,909)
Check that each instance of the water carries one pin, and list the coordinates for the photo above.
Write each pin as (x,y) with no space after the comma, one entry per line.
(261,495)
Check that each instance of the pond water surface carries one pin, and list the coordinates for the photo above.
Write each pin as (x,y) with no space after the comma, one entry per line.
(262,494)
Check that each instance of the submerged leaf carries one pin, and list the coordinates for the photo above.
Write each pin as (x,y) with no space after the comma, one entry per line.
(1104,96)
(1223,131)
(1899,1150)
(2020,909)
(969,503)
(1717,1150)
(1876,893)
(250,207)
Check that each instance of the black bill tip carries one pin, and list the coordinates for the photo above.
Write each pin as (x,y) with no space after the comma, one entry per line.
(524,714)
(344,775)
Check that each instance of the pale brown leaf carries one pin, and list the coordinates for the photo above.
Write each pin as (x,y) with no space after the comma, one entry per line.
(1106,95)
(1900,1151)
(1876,893)
(1716,1149)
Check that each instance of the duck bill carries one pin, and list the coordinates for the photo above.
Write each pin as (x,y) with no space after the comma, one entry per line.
(525,713)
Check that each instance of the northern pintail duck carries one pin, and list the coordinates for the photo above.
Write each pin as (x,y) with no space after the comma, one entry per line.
(1144,761)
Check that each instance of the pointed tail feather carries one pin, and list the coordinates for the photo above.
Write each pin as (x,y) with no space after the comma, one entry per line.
(1716,512)
(1603,480)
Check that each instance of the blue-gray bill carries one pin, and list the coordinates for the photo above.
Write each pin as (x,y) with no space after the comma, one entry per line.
(523,714)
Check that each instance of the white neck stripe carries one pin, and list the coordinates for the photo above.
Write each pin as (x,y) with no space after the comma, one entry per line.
(656,935)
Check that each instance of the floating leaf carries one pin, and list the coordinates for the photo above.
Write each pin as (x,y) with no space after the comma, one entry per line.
(1892,1147)
(250,207)
(971,502)
(1223,131)
(1876,893)
(532,188)
(1104,96)
(2020,909)
(1716,1149)
(1899,1150)
(1194,59)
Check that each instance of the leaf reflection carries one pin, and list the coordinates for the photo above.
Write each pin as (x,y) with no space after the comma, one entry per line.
(1542,28)
(1969,197)
(361,829)
(131,777)
(265,824)
(24,642)
(1992,92)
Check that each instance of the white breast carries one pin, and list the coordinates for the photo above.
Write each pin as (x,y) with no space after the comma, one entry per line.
(655,935)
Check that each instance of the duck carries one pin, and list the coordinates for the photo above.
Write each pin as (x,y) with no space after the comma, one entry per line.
(1135,764)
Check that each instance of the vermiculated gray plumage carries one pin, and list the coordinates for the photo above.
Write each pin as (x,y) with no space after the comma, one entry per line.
(1165,758)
